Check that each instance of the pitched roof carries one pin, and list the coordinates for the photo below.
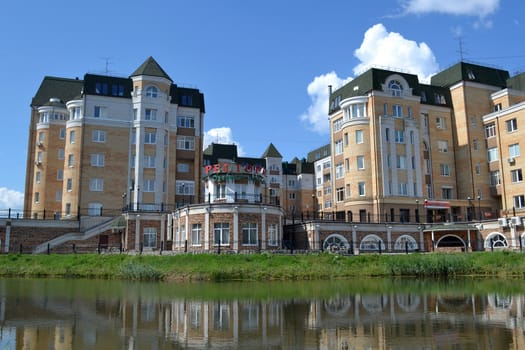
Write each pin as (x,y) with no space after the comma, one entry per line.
(152,68)
(61,88)
(272,152)
(464,71)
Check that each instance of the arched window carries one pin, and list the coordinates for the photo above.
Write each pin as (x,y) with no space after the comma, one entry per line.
(495,240)
(372,243)
(336,243)
(395,87)
(151,91)
(405,242)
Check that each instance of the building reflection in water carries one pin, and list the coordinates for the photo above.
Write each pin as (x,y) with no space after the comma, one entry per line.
(359,321)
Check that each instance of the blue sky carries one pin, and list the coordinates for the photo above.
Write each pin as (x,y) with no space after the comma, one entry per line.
(263,66)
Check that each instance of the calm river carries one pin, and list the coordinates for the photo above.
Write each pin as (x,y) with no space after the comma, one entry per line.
(350,314)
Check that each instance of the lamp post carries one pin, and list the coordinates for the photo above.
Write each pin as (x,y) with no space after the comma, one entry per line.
(313,206)
(479,208)
(417,210)
(124,195)
(469,209)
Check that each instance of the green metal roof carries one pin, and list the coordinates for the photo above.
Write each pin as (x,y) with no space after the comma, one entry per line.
(152,68)
(464,71)
(271,152)
(61,88)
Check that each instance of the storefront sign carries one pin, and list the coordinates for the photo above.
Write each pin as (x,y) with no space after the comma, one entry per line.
(233,168)
(437,204)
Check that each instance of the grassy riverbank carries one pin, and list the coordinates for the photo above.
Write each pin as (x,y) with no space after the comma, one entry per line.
(260,267)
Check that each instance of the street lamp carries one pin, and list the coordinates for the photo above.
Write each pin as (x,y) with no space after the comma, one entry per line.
(313,206)
(417,210)
(182,186)
(479,208)
(124,195)
(469,209)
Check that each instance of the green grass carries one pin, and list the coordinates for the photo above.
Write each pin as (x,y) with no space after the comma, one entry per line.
(261,267)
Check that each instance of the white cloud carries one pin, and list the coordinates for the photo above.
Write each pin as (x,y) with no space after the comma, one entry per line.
(409,56)
(222,135)
(478,8)
(316,117)
(11,199)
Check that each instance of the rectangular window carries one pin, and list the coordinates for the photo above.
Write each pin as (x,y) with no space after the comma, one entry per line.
(117,90)
(150,114)
(359,136)
(360,162)
(446,193)
(399,136)
(99,112)
(196,231)
(97,159)
(149,161)
(478,168)
(443,146)
(519,201)
(401,162)
(149,185)
(361,187)
(444,169)
(69,185)
(187,100)
(475,144)
(473,121)
(348,191)
(37,197)
(338,124)
(516,175)
(339,171)
(512,125)
(37,177)
(492,154)
(514,150)
(96,184)
(183,167)
(397,111)
(185,187)
(273,235)
(490,130)
(249,233)
(347,164)
(60,174)
(72,135)
(186,143)
(150,137)
(338,147)
(98,136)
(101,88)
(221,233)
(387,134)
(185,122)
(441,123)
(70,160)
(62,133)
(402,189)
(494,178)
(150,237)
(345,138)
(58,196)
(340,194)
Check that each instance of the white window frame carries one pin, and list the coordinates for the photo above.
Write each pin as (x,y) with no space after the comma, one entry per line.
(98,136)
(96,184)
(97,159)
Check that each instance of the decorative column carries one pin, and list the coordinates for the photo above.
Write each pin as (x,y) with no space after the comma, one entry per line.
(354,240)
(263,229)
(207,229)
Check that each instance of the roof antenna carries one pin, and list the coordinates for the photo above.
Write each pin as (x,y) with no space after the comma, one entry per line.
(106,72)
(461,51)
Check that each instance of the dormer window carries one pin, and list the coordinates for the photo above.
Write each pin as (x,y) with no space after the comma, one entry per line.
(395,87)
(151,91)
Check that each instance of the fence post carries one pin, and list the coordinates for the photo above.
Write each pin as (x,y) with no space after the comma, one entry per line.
(48,249)
(21,248)
(161,247)
(141,247)
(74,248)
(406,247)
(185,246)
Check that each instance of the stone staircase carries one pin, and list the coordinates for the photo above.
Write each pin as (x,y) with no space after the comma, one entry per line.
(89,229)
